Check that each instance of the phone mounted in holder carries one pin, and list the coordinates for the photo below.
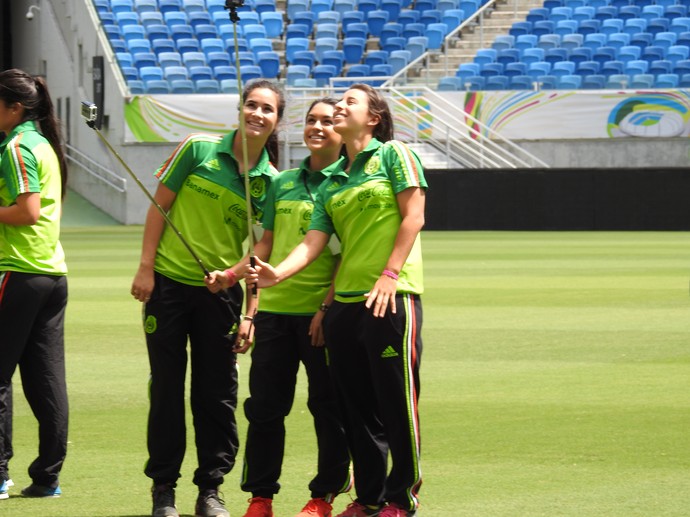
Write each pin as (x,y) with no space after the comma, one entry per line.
(232,5)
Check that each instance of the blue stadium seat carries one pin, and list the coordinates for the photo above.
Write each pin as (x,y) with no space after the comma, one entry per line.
(157,86)
(328,17)
(642,81)
(618,40)
(118,45)
(430,16)
(606,12)
(168,59)
(212,45)
(585,12)
(167,6)
(273,22)
(449,84)
(200,72)
(376,57)
(641,39)
(228,85)
(157,31)
(251,31)
(521,82)
(555,54)
(417,46)
(508,55)
(318,6)
(538,68)
(188,45)
(351,17)
(629,11)
(327,30)
(130,73)
(563,68)
(250,72)
(564,27)
(684,80)
(633,25)
(603,54)
(520,28)
(658,25)
(199,18)
(466,70)
(595,40)
(225,72)
(547,41)
(593,82)
(150,73)
(675,11)
(652,52)
(542,27)
(182,31)
(612,67)
(452,17)
(513,69)
(546,82)
(335,58)
(172,18)
(322,74)
(344,6)
(293,45)
(571,41)
(391,30)
(173,73)
(423,5)
(560,13)
(358,70)
(384,70)
(151,18)
(357,30)
(376,19)
(182,86)
(163,45)
(650,12)
(205,30)
(247,57)
(323,44)
(297,30)
(215,59)
(677,53)
(579,54)
(144,59)
(399,59)
(296,6)
(264,6)
(587,68)
(476,83)
(636,66)
(660,66)
(535,14)
(665,39)
(269,62)
(489,69)
(367,6)
(304,57)
(628,53)
(436,32)
(524,41)
(413,29)
(216,6)
(221,19)
(249,18)
(134,46)
(294,72)
(589,27)
(207,86)
(531,55)
(569,82)
(120,6)
(191,59)
(617,81)
(496,82)
(190,6)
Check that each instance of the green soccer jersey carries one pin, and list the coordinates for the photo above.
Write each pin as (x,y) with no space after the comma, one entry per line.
(361,207)
(288,212)
(28,164)
(210,206)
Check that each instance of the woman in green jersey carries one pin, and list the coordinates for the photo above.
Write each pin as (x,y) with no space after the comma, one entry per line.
(202,189)
(33,282)
(374,201)
(289,331)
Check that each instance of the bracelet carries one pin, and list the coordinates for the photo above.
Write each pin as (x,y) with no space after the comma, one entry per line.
(323,307)
(248,318)
(390,274)
(232,277)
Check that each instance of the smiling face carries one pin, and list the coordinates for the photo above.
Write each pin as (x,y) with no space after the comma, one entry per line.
(318,129)
(260,111)
(10,116)
(352,116)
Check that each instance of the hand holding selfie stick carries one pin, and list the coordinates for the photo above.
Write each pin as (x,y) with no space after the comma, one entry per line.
(231,6)
(89,112)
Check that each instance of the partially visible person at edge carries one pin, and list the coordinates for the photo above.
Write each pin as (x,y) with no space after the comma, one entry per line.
(33,281)
(202,189)
(374,201)
(289,330)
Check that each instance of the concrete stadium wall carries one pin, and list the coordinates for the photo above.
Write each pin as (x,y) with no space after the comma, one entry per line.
(558,199)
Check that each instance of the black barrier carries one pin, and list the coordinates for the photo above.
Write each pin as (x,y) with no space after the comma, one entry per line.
(558,199)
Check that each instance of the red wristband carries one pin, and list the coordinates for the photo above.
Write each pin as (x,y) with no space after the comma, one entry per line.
(389,273)
(232,277)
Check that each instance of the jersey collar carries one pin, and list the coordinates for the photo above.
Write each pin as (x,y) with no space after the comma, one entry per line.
(226,147)
(27,125)
(338,168)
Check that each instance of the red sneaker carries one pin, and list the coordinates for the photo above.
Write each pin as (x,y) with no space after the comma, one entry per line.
(355,509)
(260,507)
(316,508)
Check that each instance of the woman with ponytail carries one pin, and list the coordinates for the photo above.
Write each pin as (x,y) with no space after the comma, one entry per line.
(33,282)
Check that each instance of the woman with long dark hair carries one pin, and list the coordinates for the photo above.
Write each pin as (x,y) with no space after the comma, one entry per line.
(202,189)
(33,282)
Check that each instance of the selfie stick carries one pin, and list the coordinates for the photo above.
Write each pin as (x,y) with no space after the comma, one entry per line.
(231,6)
(90,111)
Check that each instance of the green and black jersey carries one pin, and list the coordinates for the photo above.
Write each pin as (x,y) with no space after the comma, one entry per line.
(210,207)
(29,165)
(288,212)
(361,207)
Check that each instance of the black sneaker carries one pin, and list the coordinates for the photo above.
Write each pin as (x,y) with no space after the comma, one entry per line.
(208,504)
(34,490)
(164,501)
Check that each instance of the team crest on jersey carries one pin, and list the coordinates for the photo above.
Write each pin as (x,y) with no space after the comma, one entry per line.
(258,187)
(212,164)
(150,325)
(333,186)
(372,165)
(288,186)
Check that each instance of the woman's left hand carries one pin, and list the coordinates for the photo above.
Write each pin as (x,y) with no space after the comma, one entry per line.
(382,296)
(316,329)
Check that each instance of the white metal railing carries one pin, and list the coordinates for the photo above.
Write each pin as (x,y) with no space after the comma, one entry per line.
(95,169)
(465,140)
(468,141)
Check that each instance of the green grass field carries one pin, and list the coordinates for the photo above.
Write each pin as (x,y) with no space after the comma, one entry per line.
(555,382)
